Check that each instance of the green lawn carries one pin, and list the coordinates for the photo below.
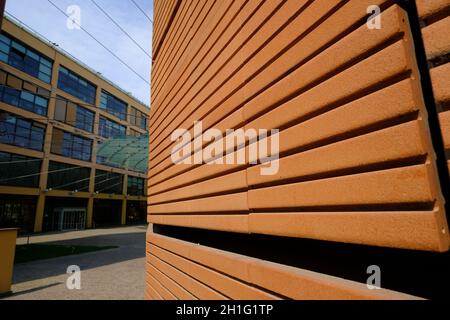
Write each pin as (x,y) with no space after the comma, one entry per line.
(32,252)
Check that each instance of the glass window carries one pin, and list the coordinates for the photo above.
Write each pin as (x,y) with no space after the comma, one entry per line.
(30,101)
(113,105)
(133,116)
(138,119)
(143,122)
(76,86)
(24,58)
(136,186)
(110,129)
(21,132)
(5,39)
(19,47)
(13,166)
(72,146)
(108,182)
(68,177)
(85,119)
(18,212)
(4,48)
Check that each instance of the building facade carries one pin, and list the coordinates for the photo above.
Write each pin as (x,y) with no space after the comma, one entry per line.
(360,94)
(54,115)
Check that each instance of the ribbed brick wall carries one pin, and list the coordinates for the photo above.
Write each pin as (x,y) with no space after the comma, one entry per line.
(436,36)
(356,164)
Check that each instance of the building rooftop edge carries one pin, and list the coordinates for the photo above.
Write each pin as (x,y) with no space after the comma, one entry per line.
(53,45)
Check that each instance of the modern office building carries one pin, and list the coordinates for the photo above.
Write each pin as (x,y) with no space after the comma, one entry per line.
(55,113)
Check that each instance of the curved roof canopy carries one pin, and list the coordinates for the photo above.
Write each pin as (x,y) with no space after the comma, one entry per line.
(126,152)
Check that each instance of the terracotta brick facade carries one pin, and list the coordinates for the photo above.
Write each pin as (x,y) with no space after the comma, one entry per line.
(357,161)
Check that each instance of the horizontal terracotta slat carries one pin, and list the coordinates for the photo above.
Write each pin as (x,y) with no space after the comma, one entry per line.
(340,150)
(209,52)
(338,27)
(302,76)
(290,282)
(429,7)
(199,50)
(228,286)
(164,16)
(394,143)
(373,70)
(185,172)
(233,181)
(212,78)
(167,167)
(437,38)
(226,262)
(215,28)
(165,294)
(292,57)
(276,68)
(205,102)
(201,291)
(397,100)
(393,186)
(408,230)
(440,77)
(444,118)
(158,17)
(338,22)
(152,293)
(231,223)
(179,175)
(184,18)
(329,59)
(236,202)
(171,285)
(181,39)
(183,50)
(233,121)
(418,230)
(158,35)
(314,286)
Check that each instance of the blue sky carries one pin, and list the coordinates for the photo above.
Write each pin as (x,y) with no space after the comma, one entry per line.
(42,17)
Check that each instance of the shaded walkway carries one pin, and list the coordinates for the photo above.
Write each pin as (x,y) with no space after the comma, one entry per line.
(111,274)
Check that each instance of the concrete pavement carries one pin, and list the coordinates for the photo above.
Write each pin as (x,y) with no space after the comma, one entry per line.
(114,274)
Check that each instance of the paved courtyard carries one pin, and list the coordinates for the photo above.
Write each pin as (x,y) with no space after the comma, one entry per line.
(115,274)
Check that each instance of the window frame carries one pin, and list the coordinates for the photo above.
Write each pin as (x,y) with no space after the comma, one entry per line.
(108,106)
(110,126)
(66,79)
(21,136)
(15,97)
(9,168)
(43,68)
(68,148)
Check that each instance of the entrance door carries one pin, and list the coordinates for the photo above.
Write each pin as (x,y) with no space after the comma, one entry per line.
(72,219)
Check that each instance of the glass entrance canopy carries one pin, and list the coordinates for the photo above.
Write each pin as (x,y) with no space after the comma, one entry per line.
(126,152)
